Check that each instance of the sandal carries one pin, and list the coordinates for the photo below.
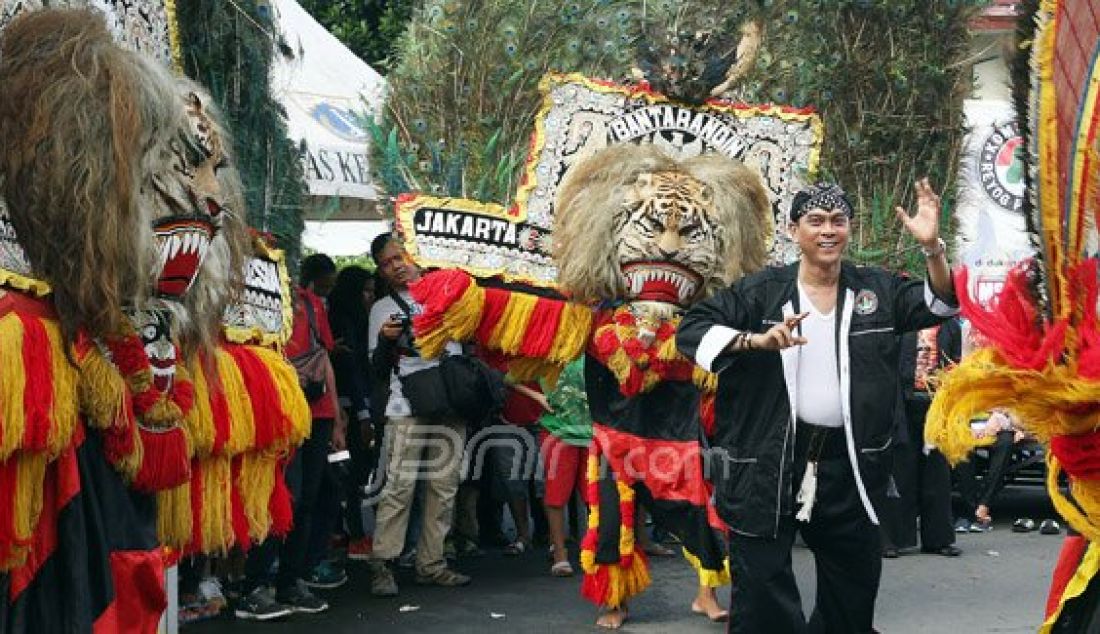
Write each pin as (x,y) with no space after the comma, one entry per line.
(561,569)
(1023,525)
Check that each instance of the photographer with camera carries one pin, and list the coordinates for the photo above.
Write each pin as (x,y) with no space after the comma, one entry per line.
(422,438)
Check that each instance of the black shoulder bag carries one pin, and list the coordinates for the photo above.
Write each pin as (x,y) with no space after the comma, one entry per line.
(461,385)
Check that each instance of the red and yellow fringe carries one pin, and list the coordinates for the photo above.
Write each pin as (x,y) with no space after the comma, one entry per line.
(541,334)
(637,365)
(38,416)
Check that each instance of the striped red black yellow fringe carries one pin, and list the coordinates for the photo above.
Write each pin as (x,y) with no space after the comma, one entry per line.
(611,584)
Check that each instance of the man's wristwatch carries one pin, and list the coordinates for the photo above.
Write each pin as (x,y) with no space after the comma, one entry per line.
(939,249)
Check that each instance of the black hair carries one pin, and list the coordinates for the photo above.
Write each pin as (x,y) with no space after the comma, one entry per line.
(346,297)
(378,244)
(314,267)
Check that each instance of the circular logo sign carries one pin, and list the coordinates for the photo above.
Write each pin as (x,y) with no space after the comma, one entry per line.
(1001,166)
(339,121)
(866,302)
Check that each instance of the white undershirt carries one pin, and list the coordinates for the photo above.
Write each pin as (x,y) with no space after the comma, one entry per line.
(818,381)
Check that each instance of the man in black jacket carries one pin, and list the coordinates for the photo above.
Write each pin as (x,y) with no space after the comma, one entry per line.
(807,357)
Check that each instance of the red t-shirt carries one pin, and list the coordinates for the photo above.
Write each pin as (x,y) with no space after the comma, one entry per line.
(520,409)
(300,341)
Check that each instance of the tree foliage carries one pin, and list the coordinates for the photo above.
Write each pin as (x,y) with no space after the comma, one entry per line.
(228,47)
(370,28)
(889,78)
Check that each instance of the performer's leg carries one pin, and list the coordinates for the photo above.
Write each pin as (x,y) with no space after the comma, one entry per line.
(706,603)
(847,553)
(765,596)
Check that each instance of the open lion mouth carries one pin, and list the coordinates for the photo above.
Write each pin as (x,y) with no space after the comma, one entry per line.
(182,242)
(661,281)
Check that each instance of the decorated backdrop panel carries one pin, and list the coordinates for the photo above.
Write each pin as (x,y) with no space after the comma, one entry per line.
(147,26)
(484,239)
(580,116)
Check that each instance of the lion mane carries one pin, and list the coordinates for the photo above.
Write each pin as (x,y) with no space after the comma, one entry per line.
(84,126)
(589,214)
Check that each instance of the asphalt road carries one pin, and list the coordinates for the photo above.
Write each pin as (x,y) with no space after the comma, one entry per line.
(999,584)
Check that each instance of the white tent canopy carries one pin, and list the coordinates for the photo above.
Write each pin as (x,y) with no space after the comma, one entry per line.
(327,91)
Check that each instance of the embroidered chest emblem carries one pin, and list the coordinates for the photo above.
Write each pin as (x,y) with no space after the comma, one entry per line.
(866,302)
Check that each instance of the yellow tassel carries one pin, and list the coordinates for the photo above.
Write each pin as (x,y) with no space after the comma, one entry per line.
(242,425)
(163,414)
(458,322)
(216,522)
(102,391)
(291,399)
(12,385)
(509,332)
(588,561)
(574,329)
(64,414)
(27,502)
(174,516)
(1065,507)
(705,381)
(626,530)
(591,474)
(668,351)
(620,365)
(255,483)
(627,582)
(533,369)
(707,577)
(200,420)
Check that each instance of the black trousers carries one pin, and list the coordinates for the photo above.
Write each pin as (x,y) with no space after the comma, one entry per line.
(924,482)
(304,476)
(847,552)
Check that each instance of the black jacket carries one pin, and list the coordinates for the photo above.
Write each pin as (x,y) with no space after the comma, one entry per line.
(757,390)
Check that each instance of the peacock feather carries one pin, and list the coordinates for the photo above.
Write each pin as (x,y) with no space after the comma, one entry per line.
(464,86)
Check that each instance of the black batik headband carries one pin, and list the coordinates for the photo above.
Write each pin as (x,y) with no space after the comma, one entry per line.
(824,196)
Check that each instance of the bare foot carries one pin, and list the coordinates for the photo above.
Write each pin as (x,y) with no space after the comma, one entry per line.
(706,603)
(612,619)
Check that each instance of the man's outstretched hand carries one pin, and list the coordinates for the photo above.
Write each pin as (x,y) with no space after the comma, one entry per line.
(780,336)
(924,226)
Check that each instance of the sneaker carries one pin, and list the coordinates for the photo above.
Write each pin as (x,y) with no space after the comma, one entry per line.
(962,525)
(210,590)
(407,560)
(259,606)
(382,583)
(444,577)
(326,576)
(360,549)
(299,599)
